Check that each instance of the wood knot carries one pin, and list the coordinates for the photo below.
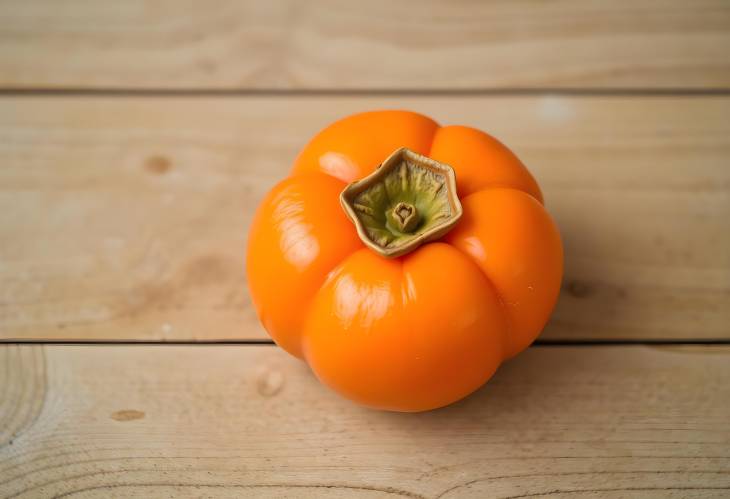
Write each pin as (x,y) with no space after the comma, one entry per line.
(269,383)
(158,165)
(579,289)
(127,415)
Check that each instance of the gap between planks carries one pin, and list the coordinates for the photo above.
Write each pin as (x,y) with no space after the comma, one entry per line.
(536,344)
(365,92)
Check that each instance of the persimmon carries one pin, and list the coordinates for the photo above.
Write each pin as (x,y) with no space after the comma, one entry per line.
(403,260)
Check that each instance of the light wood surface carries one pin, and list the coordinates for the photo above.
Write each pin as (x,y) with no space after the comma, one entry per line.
(137,138)
(126,218)
(378,44)
(233,421)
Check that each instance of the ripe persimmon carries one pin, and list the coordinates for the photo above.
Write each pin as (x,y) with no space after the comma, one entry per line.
(403,260)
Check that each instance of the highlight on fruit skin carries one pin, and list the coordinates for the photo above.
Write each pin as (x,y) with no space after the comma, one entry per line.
(404,260)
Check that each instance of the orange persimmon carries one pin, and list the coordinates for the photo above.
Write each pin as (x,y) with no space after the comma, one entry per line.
(370,275)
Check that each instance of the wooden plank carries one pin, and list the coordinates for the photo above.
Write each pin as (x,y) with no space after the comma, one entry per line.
(152,421)
(126,218)
(380,44)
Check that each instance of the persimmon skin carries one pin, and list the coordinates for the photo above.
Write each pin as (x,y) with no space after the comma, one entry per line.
(428,328)
(353,147)
(406,334)
(471,152)
(520,252)
(297,236)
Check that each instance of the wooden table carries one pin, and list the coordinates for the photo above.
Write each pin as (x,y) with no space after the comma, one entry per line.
(137,137)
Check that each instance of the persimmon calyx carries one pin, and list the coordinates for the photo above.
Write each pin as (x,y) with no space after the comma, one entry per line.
(409,200)
(406,217)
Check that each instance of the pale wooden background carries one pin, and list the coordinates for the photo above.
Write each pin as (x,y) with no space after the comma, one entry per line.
(136,139)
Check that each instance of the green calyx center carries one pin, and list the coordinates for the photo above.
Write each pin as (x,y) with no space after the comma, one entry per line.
(405,217)
(409,200)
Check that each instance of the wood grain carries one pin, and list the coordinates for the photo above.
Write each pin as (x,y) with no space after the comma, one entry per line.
(126,218)
(379,44)
(231,421)
(22,390)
